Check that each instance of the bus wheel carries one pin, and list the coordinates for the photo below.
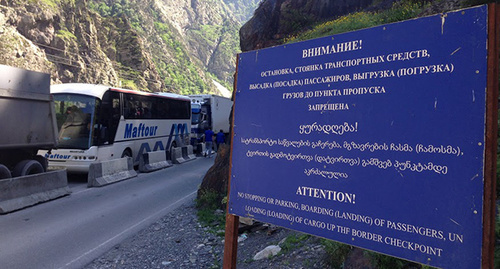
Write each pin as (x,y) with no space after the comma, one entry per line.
(4,172)
(127,153)
(27,167)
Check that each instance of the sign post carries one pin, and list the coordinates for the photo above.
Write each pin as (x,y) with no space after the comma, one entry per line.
(383,138)
(232,221)
(491,137)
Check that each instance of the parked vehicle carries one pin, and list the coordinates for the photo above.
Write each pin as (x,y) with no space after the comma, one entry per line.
(209,112)
(28,121)
(98,123)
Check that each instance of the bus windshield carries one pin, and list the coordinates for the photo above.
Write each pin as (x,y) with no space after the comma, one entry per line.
(74,114)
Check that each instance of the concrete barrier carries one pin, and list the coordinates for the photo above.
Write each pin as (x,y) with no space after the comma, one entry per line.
(177,156)
(200,149)
(20,192)
(152,161)
(168,153)
(107,172)
(187,153)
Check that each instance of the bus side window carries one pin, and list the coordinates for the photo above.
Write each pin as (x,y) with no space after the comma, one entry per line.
(115,118)
(129,107)
(116,108)
(143,107)
(109,118)
(162,109)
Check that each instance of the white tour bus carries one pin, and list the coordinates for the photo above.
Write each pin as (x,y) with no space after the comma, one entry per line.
(98,123)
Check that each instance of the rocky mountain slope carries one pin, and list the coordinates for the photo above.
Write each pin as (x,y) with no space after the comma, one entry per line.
(274,20)
(153,45)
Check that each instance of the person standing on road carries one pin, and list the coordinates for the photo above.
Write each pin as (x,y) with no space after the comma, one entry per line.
(209,138)
(220,138)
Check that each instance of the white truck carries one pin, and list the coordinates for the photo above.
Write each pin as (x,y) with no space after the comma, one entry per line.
(209,111)
(28,125)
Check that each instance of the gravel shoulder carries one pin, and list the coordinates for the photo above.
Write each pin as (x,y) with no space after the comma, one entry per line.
(178,240)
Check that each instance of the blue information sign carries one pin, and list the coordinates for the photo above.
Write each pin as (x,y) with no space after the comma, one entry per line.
(374,138)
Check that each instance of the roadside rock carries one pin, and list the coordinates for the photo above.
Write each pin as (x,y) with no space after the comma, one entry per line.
(268,252)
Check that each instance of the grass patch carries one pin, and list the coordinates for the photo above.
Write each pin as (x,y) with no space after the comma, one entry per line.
(216,222)
(208,204)
(66,35)
(52,4)
(400,11)
(129,84)
(293,241)
(336,253)
(384,261)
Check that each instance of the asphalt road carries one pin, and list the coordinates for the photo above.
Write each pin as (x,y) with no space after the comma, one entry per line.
(74,230)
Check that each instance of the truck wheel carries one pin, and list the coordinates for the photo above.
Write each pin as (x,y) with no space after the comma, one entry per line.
(43,161)
(27,167)
(4,172)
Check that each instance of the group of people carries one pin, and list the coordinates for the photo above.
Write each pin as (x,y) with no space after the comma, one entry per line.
(209,139)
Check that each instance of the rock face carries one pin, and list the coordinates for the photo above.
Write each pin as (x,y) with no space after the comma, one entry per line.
(274,19)
(152,45)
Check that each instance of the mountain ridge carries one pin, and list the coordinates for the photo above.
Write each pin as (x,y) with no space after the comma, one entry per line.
(150,45)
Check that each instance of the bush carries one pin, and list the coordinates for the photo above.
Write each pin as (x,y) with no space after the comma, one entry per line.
(293,241)
(336,253)
(208,204)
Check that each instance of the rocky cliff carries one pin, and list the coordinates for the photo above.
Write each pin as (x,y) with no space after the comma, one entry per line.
(153,45)
(276,19)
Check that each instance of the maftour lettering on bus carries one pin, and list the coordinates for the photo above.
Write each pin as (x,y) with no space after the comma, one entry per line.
(57,156)
(140,131)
